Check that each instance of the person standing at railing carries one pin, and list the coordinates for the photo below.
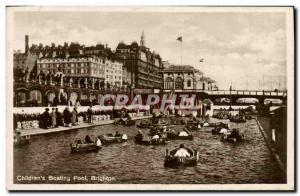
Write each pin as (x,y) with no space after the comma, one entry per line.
(74,117)
(67,117)
(53,118)
(90,114)
(46,119)
(59,121)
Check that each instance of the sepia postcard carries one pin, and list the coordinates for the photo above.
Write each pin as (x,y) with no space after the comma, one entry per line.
(178,98)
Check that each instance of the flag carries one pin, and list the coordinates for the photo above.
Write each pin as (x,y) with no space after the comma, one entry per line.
(179,39)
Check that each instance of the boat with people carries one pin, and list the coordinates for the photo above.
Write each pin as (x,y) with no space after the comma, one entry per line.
(193,126)
(217,129)
(222,114)
(181,157)
(178,121)
(180,135)
(20,140)
(110,138)
(145,123)
(125,121)
(156,139)
(211,124)
(129,122)
(234,135)
(238,118)
(87,146)
(249,117)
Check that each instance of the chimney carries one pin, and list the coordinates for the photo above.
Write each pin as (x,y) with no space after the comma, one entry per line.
(53,53)
(26,44)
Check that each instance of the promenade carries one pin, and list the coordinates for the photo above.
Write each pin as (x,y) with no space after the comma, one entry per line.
(278,148)
(39,131)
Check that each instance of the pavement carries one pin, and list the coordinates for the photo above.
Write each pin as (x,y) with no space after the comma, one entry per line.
(276,150)
(82,125)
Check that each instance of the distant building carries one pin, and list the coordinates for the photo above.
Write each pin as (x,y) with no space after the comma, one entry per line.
(141,67)
(166,64)
(79,70)
(185,77)
(24,62)
(75,71)
(81,65)
(113,73)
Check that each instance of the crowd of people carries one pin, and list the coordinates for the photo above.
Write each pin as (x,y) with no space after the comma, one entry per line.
(54,118)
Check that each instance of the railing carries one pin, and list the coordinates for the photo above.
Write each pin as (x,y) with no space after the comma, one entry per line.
(73,86)
(233,92)
(243,92)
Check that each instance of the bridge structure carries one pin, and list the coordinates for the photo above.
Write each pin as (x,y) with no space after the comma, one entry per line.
(233,95)
(25,91)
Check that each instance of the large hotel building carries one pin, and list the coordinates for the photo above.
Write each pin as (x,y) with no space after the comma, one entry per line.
(82,72)
(142,67)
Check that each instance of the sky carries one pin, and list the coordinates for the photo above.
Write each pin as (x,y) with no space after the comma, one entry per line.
(247,50)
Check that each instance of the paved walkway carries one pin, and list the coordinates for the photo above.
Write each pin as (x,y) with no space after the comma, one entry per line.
(277,149)
(82,125)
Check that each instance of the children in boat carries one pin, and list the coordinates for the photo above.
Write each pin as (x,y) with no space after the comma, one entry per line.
(139,136)
(88,139)
(182,152)
(183,133)
(98,143)
(124,137)
(117,134)
(155,137)
(223,131)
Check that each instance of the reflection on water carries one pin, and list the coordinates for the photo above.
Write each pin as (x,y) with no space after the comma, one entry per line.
(220,162)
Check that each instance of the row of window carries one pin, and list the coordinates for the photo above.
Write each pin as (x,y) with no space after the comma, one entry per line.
(112,77)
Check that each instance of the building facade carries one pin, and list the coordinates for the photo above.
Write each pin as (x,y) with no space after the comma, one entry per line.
(73,71)
(141,67)
(78,70)
(185,77)
(113,73)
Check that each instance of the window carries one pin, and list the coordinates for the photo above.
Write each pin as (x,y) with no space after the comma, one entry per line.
(36,95)
(178,83)
(189,83)
(169,83)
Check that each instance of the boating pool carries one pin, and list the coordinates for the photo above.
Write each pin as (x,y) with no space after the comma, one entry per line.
(47,159)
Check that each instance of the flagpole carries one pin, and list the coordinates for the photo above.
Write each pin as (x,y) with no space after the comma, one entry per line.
(181,52)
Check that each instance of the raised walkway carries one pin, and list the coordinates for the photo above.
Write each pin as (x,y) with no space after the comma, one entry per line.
(82,125)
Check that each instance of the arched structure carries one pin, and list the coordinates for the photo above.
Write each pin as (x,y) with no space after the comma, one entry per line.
(179,83)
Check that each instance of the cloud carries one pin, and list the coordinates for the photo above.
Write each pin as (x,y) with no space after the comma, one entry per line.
(233,45)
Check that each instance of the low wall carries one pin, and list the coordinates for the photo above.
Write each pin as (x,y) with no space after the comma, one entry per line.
(40,110)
